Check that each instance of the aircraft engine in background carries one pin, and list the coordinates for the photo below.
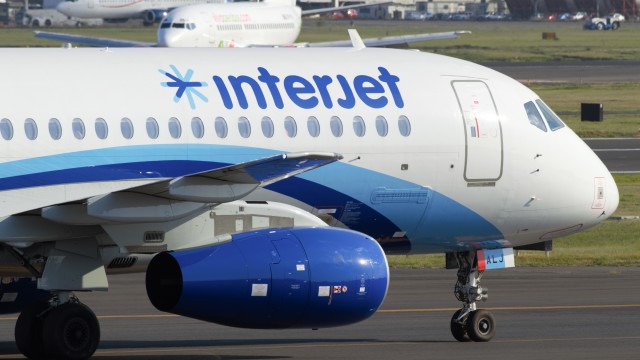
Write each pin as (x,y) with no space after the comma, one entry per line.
(274,278)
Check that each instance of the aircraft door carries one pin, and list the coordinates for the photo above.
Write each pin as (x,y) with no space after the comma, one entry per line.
(483,132)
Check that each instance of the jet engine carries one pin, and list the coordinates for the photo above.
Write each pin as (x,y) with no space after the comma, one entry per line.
(274,278)
(153,16)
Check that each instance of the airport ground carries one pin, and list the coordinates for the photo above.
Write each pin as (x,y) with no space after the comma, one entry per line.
(549,313)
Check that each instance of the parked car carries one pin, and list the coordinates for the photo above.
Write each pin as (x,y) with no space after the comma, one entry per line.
(603,23)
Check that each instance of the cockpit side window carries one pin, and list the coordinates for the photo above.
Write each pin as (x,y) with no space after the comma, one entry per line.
(552,119)
(191,26)
(534,116)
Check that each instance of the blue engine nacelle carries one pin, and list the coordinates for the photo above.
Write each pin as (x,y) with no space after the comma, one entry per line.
(274,278)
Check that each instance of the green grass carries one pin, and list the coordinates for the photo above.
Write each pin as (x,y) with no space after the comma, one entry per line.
(500,41)
(620,103)
(612,243)
(490,41)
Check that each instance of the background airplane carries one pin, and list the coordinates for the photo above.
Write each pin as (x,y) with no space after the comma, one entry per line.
(153,11)
(150,11)
(244,24)
(269,182)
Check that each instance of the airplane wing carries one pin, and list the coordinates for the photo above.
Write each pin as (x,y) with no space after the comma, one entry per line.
(341,8)
(396,41)
(236,181)
(91,41)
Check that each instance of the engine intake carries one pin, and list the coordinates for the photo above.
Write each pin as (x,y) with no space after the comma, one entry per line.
(274,278)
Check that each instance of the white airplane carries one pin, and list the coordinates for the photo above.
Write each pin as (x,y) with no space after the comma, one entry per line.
(243,24)
(152,11)
(269,182)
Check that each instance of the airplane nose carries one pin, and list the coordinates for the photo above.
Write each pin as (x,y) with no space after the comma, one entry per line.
(62,7)
(168,38)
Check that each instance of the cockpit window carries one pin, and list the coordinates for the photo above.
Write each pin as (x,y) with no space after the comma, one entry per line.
(191,26)
(534,116)
(165,25)
(552,119)
(177,25)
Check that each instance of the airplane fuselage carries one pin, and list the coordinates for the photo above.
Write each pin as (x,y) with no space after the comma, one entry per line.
(115,9)
(231,25)
(438,154)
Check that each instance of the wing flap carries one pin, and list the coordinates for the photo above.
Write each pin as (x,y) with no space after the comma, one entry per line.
(236,181)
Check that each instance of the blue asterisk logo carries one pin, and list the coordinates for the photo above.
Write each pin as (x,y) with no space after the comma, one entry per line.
(184,85)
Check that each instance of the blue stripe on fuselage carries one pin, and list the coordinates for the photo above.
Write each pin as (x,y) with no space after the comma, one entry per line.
(432,219)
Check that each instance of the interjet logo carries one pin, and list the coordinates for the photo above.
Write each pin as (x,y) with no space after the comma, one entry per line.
(184,85)
(375,89)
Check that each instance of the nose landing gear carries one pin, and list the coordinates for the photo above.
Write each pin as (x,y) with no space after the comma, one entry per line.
(469,323)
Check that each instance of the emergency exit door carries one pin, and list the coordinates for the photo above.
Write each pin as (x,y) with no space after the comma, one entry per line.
(483,132)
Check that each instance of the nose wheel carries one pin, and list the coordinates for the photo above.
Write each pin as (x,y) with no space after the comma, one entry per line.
(469,323)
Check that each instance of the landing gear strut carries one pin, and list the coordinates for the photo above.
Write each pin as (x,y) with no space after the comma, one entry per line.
(62,328)
(469,323)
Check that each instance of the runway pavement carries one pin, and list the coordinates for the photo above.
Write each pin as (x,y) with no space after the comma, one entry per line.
(621,155)
(570,71)
(548,313)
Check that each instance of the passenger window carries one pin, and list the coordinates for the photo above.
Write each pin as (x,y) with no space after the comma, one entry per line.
(267,126)
(153,130)
(552,119)
(197,128)
(6,129)
(175,130)
(336,126)
(102,129)
(534,116)
(55,129)
(244,127)
(126,127)
(358,126)
(313,126)
(77,127)
(404,126)
(220,124)
(30,129)
(381,126)
(290,126)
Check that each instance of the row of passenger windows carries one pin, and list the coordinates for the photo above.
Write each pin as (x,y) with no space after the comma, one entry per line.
(535,118)
(221,128)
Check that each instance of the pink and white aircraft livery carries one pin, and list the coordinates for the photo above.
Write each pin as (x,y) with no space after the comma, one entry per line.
(261,187)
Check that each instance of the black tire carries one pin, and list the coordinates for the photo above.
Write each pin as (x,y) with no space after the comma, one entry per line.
(28,331)
(615,26)
(35,23)
(71,331)
(481,326)
(458,330)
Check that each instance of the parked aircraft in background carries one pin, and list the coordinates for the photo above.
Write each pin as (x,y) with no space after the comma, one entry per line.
(244,24)
(150,11)
(154,11)
(269,181)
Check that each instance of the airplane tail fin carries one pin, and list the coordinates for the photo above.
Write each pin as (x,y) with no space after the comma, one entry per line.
(280,2)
